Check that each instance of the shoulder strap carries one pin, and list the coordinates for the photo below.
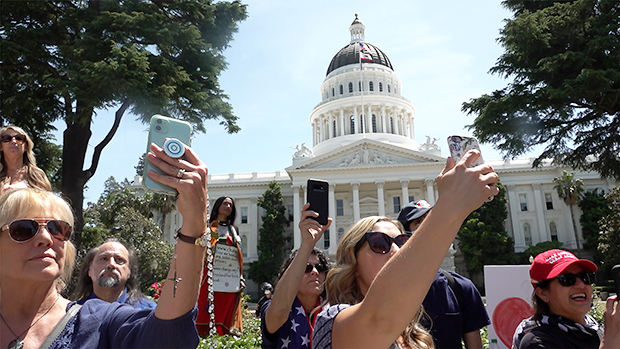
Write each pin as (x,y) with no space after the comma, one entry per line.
(60,326)
(458,292)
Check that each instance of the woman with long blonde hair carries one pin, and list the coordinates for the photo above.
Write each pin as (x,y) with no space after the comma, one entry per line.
(381,276)
(18,166)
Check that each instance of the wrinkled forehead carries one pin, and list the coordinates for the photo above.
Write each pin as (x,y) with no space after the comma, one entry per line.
(113,249)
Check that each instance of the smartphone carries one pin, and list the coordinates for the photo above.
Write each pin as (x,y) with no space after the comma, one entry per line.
(460,145)
(616,273)
(317,194)
(162,127)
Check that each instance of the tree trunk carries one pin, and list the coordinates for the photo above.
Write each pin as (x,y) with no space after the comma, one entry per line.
(75,144)
(572,218)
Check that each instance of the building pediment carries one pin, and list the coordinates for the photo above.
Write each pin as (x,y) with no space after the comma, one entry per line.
(365,153)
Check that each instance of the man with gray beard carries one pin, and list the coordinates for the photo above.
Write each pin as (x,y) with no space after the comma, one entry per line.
(110,272)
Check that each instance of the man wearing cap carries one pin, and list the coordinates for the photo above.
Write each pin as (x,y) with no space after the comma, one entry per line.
(267,290)
(452,302)
(562,298)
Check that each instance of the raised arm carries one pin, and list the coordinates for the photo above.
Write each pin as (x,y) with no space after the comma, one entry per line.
(182,285)
(288,285)
(400,287)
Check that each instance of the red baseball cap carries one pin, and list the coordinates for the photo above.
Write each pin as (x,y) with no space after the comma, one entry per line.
(550,264)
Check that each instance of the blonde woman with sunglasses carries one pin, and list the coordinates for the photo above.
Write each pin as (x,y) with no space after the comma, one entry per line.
(18,166)
(381,277)
(36,256)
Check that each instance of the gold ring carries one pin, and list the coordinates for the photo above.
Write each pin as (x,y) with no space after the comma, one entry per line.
(180,173)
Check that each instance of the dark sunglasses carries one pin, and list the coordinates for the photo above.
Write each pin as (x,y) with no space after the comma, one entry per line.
(8,138)
(319,267)
(569,279)
(23,230)
(381,242)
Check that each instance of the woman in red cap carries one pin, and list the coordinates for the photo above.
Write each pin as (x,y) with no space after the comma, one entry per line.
(562,298)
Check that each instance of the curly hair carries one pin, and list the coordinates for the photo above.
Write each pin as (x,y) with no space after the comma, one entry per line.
(20,203)
(342,287)
(35,176)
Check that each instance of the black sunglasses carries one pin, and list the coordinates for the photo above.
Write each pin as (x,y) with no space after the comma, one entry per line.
(381,242)
(8,138)
(319,267)
(569,279)
(23,230)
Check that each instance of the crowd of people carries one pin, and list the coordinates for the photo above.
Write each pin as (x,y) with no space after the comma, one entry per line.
(385,288)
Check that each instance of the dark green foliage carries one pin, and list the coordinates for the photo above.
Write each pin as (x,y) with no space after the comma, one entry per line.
(65,60)
(271,236)
(563,58)
(609,240)
(594,207)
(540,247)
(483,238)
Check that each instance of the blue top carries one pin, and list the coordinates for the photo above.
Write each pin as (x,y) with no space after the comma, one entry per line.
(294,333)
(140,303)
(450,320)
(100,324)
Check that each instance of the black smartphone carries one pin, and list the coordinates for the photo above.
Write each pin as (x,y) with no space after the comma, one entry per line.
(616,273)
(317,194)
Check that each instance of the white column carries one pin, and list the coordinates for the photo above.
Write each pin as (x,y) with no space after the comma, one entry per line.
(357,121)
(369,119)
(380,197)
(383,117)
(430,191)
(342,129)
(540,214)
(330,126)
(395,113)
(411,120)
(321,130)
(513,203)
(314,131)
(296,216)
(333,231)
(404,187)
(356,201)
(253,237)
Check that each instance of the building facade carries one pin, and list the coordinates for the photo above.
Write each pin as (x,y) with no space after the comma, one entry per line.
(364,145)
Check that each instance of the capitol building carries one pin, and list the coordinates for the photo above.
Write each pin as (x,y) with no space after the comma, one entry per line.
(364,145)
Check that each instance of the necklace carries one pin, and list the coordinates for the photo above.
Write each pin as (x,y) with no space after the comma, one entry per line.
(18,343)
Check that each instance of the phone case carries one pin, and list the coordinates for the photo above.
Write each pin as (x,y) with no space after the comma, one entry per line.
(459,145)
(317,194)
(161,128)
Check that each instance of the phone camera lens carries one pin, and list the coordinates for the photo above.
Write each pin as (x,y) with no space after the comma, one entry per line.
(158,128)
(159,121)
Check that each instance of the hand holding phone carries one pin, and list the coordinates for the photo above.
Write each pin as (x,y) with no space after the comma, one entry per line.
(460,145)
(170,134)
(317,194)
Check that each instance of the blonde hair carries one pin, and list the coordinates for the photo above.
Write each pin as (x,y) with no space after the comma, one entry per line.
(35,176)
(19,203)
(341,282)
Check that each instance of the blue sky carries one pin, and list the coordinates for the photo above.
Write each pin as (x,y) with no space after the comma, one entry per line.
(441,50)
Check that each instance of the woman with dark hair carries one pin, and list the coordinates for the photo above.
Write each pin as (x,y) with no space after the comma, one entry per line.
(562,298)
(18,166)
(287,320)
(225,291)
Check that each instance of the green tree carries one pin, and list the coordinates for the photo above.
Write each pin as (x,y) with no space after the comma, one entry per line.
(570,190)
(609,241)
(483,238)
(540,247)
(563,58)
(594,207)
(271,236)
(67,60)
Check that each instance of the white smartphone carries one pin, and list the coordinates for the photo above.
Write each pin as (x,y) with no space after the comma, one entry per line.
(161,128)
(460,145)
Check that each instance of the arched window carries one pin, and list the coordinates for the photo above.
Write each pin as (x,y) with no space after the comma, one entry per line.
(350,87)
(362,123)
(333,92)
(359,86)
(391,125)
(326,241)
(371,87)
(380,87)
(553,229)
(527,234)
(334,126)
(374,123)
(389,89)
(352,122)
(341,91)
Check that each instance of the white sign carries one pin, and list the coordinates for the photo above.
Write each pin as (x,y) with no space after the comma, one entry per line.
(226,269)
(508,293)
